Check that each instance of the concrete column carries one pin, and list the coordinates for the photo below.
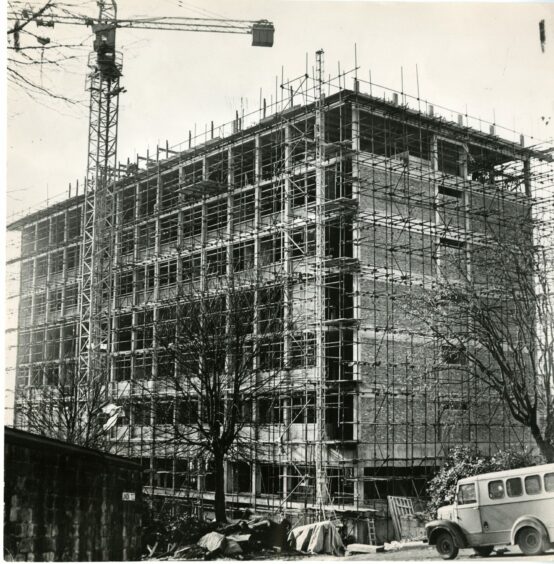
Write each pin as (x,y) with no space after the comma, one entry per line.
(358,483)
(435,192)
(257,196)
(356,244)
(286,252)
(319,310)
(118,205)
(230,226)
(204,234)
(135,293)
(180,204)
(48,290)
(434,153)
(255,482)
(527,177)
(466,204)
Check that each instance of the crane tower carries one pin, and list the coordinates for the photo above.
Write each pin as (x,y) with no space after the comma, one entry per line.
(103,82)
(105,66)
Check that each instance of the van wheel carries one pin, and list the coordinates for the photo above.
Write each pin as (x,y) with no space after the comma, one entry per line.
(446,547)
(530,541)
(483,550)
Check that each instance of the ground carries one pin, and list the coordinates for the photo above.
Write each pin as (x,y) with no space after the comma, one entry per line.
(465,554)
(429,553)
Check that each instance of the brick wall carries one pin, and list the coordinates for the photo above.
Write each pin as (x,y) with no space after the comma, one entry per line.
(63,502)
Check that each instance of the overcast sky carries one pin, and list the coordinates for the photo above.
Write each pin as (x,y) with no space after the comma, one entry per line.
(483,59)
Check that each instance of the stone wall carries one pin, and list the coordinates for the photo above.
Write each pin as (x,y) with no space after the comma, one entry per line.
(65,503)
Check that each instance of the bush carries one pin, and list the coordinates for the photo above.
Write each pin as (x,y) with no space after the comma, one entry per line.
(464,461)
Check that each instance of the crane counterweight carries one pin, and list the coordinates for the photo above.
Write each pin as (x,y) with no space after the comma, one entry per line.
(262,34)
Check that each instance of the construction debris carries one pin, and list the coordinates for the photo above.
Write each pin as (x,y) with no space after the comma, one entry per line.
(358,548)
(231,548)
(396,546)
(317,538)
(239,539)
(212,541)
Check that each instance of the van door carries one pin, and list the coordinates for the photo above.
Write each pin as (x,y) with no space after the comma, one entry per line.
(467,512)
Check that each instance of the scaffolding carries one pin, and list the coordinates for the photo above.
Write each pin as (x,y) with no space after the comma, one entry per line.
(328,211)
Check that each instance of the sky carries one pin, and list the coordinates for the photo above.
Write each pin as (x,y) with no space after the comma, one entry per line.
(480,59)
(484,59)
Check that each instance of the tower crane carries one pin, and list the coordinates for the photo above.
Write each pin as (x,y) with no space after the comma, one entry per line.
(103,82)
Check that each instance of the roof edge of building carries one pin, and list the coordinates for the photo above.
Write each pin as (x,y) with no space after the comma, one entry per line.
(350,95)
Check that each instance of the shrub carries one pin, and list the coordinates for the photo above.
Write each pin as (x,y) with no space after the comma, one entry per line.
(464,461)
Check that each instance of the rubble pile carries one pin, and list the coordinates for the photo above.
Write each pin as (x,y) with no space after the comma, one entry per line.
(191,539)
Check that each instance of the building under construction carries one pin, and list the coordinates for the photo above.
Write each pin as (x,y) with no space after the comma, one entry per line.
(331,207)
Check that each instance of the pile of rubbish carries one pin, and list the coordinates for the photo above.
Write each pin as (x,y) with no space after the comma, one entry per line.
(192,539)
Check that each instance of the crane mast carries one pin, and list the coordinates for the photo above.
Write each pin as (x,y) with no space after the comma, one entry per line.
(105,69)
(103,82)
(105,66)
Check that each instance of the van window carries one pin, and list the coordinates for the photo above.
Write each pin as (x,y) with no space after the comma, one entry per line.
(466,494)
(514,487)
(496,489)
(533,485)
(549,482)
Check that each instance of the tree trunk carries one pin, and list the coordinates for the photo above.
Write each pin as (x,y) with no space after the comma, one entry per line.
(219,465)
(546,447)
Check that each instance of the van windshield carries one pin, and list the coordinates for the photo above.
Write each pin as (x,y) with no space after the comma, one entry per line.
(466,494)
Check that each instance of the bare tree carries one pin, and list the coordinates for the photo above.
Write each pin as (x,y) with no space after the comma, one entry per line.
(219,351)
(67,409)
(490,312)
(33,47)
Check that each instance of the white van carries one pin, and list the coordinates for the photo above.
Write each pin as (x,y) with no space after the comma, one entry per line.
(500,508)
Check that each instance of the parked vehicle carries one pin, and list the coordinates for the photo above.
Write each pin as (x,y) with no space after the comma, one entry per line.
(499,508)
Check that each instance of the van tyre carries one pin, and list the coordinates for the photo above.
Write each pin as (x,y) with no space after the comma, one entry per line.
(530,541)
(483,550)
(446,547)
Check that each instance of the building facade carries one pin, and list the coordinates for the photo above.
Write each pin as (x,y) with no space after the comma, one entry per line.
(340,207)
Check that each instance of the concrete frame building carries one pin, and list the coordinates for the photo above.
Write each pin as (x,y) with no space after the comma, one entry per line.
(342,203)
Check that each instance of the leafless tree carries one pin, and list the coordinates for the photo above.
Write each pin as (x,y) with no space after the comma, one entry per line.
(490,311)
(65,408)
(33,48)
(219,351)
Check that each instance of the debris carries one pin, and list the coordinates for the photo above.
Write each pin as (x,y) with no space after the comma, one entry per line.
(212,541)
(152,550)
(269,533)
(231,547)
(193,552)
(187,538)
(241,539)
(395,546)
(317,538)
(358,548)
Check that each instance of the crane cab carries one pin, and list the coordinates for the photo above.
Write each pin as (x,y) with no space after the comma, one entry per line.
(104,46)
